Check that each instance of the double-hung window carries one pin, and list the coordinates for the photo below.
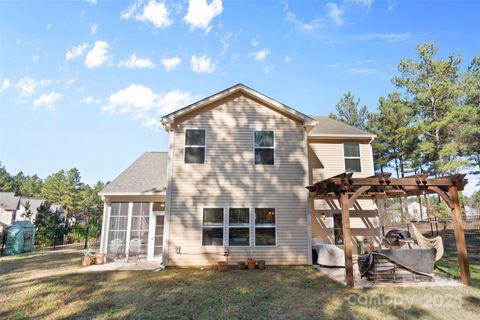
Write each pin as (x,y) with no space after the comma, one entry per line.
(351,152)
(264,147)
(239,227)
(212,227)
(195,145)
(265,227)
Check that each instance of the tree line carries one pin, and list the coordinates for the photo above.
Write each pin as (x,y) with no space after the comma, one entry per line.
(81,206)
(431,121)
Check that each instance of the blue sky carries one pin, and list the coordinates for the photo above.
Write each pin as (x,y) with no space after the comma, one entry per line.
(83,83)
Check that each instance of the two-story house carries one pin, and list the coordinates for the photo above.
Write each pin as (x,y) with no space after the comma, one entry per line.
(234,180)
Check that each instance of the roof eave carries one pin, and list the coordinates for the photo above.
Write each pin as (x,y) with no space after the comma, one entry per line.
(341,136)
(169,120)
(163,193)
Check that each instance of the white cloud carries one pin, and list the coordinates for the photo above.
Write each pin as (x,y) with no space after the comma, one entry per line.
(310,26)
(287,59)
(365,3)
(27,86)
(93,28)
(89,100)
(134,62)
(153,12)
(98,55)
(254,43)
(76,51)
(48,27)
(202,64)
(5,84)
(92,1)
(140,102)
(261,55)
(388,37)
(48,100)
(225,41)
(200,13)
(171,63)
(36,57)
(335,13)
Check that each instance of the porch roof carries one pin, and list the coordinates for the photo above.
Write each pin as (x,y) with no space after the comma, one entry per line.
(145,176)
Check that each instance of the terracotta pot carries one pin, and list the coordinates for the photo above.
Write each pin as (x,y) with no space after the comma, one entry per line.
(100,258)
(222,266)
(261,264)
(251,262)
(88,261)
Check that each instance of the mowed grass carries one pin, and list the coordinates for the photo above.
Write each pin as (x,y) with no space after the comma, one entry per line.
(50,285)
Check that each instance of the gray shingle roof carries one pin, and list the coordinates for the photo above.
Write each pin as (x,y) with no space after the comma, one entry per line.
(34,203)
(8,200)
(327,127)
(146,175)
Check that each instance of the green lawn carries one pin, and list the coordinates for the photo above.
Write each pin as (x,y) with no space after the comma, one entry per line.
(51,285)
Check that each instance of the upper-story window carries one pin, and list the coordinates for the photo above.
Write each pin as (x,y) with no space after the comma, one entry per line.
(264,147)
(351,152)
(195,146)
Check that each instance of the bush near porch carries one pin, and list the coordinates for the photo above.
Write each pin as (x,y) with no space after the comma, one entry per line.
(51,285)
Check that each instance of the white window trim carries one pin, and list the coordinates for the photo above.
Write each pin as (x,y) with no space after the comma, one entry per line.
(245,225)
(352,158)
(194,146)
(265,226)
(274,147)
(219,226)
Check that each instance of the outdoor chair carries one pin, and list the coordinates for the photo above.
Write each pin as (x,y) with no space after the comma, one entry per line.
(135,248)
(117,251)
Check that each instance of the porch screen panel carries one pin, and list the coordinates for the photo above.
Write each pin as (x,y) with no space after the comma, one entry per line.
(139,229)
(117,232)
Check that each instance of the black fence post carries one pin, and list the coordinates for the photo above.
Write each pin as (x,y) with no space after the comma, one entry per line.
(4,241)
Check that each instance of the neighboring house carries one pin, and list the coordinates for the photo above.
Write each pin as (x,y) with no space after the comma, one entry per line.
(9,205)
(471,212)
(417,211)
(13,208)
(234,180)
(33,204)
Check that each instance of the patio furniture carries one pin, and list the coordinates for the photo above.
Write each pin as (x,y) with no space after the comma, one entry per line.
(393,237)
(329,255)
(116,250)
(397,265)
(134,249)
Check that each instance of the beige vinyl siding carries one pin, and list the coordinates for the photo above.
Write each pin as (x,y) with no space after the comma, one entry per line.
(229,178)
(325,158)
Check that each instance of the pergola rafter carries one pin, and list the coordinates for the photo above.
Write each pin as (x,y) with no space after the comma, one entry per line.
(348,189)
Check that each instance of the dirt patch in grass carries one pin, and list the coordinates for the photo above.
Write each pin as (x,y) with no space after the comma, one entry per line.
(51,286)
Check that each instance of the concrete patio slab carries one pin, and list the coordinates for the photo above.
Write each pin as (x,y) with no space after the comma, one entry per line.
(338,275)
(125,266)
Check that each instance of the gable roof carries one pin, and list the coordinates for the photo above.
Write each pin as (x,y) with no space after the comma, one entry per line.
(170,118)
(8,201)
(329,128)
(145,176)
(35,204)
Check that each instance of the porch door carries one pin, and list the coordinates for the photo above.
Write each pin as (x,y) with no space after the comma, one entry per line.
(155,243)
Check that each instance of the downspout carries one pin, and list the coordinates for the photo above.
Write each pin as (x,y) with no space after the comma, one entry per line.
(307,205)
(166,232)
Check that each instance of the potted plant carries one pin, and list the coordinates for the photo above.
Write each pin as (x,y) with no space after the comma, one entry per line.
(242,265)
(88,257)
(222,266)
(100,258)
(261,264)
(251,263)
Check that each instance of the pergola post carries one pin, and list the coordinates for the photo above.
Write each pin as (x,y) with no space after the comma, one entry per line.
(459,236)
(347,239)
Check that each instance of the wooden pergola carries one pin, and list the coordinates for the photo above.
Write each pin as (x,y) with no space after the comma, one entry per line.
(348,189)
